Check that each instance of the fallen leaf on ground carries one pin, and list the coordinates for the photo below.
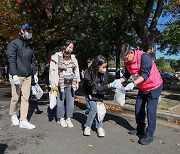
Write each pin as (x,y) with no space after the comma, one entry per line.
(90,145)
(161,142)
(177,122)
(134,140)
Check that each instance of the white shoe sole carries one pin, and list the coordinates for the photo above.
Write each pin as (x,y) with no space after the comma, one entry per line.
(101,135)
(70,126)
(15,124)
(63,126)
(26,127)
(87,134)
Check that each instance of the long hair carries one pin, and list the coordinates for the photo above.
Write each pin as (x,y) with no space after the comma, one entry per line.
(66,44)
(93,69)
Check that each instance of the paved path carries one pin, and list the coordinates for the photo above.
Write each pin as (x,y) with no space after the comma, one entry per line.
(50,138)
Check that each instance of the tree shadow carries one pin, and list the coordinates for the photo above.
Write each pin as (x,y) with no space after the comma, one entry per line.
(3,147)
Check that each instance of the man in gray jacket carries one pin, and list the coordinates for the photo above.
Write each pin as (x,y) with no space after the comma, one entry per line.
(21,59)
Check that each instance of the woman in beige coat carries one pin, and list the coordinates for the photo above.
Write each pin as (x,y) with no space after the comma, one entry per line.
(64,76)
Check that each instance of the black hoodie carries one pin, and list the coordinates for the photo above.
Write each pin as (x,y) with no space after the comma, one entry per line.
(21,57)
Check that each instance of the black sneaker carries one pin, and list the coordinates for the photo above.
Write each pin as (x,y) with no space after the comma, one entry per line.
(146,140)
(133,132)
(136,133)
(38,112)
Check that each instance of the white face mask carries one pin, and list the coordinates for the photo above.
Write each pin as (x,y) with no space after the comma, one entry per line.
(28,35)
(102,70)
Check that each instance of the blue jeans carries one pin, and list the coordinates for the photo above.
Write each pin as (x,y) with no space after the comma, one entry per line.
(65,104)
(93,115)
(87,102)
(151,98)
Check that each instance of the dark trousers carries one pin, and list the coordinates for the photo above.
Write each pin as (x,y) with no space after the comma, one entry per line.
(151,98)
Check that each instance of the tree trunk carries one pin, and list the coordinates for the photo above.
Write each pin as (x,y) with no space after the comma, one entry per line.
(49,50)
(148,45)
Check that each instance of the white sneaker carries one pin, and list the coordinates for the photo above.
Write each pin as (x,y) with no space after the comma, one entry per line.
(87,131)
(14,120)
(101,132)
(26,124)
(62,122)
(69,123)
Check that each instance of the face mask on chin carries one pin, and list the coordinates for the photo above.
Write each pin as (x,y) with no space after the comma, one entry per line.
(27,35)
(68,51)
(102,71)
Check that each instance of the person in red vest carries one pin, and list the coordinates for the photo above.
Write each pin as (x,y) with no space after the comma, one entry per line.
(147,78)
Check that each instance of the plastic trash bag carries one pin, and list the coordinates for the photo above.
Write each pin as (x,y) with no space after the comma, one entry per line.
(119,96)
(52,99)
(37,91)
(101,111)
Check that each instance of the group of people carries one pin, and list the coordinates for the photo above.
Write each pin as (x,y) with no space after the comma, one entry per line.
(64,78)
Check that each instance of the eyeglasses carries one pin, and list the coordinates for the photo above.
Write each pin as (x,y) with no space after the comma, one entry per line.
(125,58)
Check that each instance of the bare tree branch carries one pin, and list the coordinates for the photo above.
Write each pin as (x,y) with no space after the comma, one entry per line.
(148,9)
(157,14)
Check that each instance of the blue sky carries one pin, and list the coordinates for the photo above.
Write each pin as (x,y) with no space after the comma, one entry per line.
(159,54)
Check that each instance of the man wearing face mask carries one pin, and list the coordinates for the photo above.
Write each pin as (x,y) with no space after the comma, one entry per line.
(21,59)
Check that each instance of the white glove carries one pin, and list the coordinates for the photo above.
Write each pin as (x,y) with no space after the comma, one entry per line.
(16,80)
(130,86)
(35,78)
(116,83)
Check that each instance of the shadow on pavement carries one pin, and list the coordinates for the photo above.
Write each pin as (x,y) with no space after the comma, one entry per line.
(51,114)
(117,119)
(33,108)
(3,147)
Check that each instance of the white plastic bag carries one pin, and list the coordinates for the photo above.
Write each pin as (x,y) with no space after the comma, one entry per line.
(52,100)
(37,91)
(119,96)
(101,111)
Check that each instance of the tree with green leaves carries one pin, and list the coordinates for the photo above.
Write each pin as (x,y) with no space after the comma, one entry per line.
(96,28)
(174,65)
(145,16)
